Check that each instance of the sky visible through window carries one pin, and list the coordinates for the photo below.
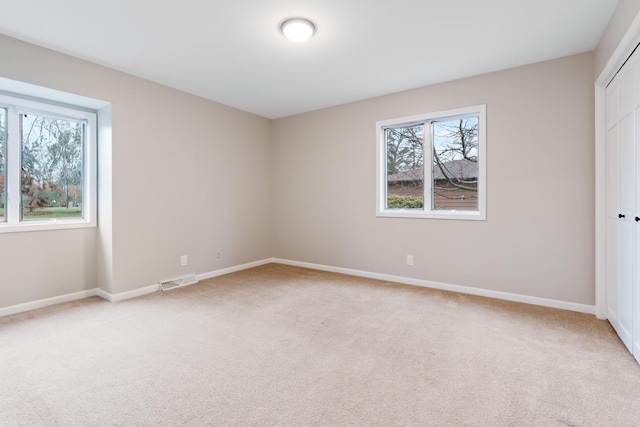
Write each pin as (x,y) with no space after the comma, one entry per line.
(453,164)
(51,181)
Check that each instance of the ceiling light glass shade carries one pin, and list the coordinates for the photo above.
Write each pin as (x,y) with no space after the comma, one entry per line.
(298,29)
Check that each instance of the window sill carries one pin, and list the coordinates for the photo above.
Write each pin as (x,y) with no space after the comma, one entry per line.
(49,225)
(455,215)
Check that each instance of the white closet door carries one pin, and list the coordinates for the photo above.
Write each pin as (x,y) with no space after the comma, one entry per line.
(634,63)
(626,227)
(621,203)
(613,201)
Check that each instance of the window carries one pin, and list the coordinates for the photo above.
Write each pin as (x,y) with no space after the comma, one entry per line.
(433,165)
(47,166)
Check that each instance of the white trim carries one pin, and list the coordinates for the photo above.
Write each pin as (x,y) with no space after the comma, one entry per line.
(221,272)
(16,105)
(622,52)
(427,119)
(601,202)
(128,294)
(619,56)
(544,302)
(154,288)
(563,305)
(12,171)
(33,305)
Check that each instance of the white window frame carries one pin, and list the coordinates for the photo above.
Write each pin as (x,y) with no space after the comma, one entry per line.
(13,196)
(427,212)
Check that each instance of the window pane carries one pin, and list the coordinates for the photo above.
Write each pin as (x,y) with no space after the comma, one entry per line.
(51,183)
(455,164)
(3,156)
(405,167)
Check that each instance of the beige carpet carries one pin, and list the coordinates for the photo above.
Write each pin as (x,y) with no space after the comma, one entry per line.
(279,345)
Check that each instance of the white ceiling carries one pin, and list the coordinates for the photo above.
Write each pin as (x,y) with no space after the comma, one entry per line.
(231,51)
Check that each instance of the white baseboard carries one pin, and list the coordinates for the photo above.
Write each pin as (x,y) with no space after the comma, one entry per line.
(33,305)
(154,288)
(563,305)
(129,294)
(228,270)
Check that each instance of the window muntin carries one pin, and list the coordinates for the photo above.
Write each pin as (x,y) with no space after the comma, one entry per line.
(433,165)
(49,167)
(3,156)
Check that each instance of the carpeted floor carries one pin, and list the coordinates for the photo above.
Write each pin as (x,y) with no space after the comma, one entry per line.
(280,345)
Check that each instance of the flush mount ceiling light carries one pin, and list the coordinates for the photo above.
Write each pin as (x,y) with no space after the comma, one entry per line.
(297,30)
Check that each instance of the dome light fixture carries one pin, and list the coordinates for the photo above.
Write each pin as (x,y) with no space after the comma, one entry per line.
(297,30)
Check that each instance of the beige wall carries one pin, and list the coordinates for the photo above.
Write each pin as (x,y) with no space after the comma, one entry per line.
(189,176)
(622,17)
(538,239)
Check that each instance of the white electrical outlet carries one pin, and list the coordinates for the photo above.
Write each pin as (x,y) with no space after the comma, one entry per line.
(219,253)
(183,260)
(409,259)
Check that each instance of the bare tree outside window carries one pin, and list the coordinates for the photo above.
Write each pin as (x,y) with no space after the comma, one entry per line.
(51,175)
(433,165)
(452,168)
(405,166)
(48,165)
(455,164)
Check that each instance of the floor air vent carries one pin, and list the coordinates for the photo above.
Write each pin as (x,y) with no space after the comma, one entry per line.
(181,281)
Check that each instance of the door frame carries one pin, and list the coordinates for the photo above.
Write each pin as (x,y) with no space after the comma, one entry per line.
(618,58)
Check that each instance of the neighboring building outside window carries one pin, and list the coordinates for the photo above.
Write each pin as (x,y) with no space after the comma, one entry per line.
(47,166)
(433,165)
